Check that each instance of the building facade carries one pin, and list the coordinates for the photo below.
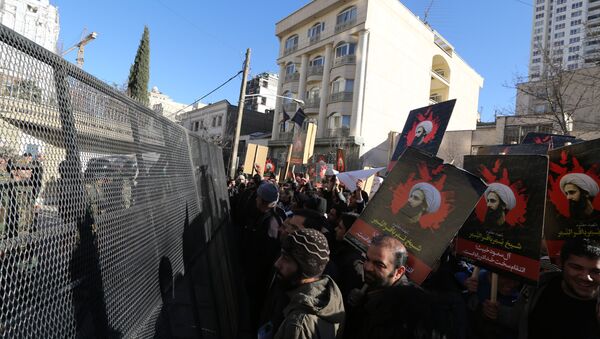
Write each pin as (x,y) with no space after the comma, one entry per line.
(262,89)
(163,104)
(37,20)
(565,34)
(360,67)
(216,122)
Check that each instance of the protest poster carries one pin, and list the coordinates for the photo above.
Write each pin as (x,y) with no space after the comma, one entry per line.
(256,157)
(573,202)
(541,149)
(303,144)
(554,140)
(423,203)
(424,129)
(504,232)
(340,160)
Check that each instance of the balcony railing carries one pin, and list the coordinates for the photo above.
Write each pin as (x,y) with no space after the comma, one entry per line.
(345,25)
(338,132)
(340,96)
(292,77)
(285,135)
(314,39)
(314,70)
(312,102)
(290,50)
(441,73)
(434,99)
(345,60)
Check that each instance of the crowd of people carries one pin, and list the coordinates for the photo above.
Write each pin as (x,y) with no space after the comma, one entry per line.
(305,281)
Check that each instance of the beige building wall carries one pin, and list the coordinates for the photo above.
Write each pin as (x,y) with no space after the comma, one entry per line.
(393,67)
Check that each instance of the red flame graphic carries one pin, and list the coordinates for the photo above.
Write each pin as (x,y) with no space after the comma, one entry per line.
(431,221)
(560,169)
(542,140)
(516,216)
(428,115)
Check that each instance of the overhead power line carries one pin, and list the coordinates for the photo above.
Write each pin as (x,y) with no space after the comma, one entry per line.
(211,92)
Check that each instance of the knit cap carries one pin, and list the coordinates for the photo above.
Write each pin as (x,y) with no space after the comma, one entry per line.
(310,250)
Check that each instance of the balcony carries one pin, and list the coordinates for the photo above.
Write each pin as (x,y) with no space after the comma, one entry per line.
(345,60)
(314,70)
(434,99)
(285,136)
(338,132)
(312,103)
(292,77)
(314,39)
(441,74)
(290,50)
(345,25)
(340,97)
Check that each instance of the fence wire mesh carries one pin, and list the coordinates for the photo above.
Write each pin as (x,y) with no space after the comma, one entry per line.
(95,190)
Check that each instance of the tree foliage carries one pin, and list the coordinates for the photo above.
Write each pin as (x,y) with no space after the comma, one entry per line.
(139,74)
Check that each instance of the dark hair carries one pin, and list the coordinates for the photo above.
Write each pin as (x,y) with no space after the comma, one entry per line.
(581,247)
(400,254)
(348,219)
(313,219)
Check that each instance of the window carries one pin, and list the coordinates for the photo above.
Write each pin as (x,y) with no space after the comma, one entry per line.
(574,49)
(214,122)
(541,108)
(539,8)
(557,51)
(291,43)
(559,26)
(287,97)
(573,57)
(575,31)
(536,52)
(560,2)
(561,17)
(290,68)
(557,60)
(571,67)
(537,38)
(559,35)
(345,121)
(346,16)
(559,43)
(263,100)
(539,16)
(313,94)
(561,9)
(344,49)
(538,23)
(220,121)
(535,60)
(317,61)
(265,83)
(337,85)
(539,2)
(196,124)
(576,22)
(315,31)
(538,30)
(575,14)
(577,5)
(202,123)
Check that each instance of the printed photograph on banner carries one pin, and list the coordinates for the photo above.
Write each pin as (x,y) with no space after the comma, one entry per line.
(554,140)
(423,203)
(340,160)
(424,129)
(573,199)
(298,144)
(504,232)
(540,149)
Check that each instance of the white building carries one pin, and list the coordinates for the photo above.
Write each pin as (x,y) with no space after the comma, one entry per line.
(564,33)
(361,66)
(163,104)
(37,20)
(263,88)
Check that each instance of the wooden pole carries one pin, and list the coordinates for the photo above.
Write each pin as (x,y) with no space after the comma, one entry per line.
(494,291)
(236,139)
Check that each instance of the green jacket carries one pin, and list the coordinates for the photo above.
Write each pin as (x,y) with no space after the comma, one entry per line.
(316,310)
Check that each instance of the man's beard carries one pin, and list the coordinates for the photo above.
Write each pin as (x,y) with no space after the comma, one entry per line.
(492,216)
(289,282)
(411,212)
(376,282)
(418,140)
(577,208)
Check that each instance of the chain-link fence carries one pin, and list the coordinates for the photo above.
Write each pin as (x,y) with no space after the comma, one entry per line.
(96,190)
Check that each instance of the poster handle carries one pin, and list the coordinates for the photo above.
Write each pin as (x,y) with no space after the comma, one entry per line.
(475,273)
(494,291)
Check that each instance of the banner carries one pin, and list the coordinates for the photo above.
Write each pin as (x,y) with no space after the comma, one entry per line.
(573,200)
(303,144)
(340,160)
(423,203)
(554,140)
(504,232)
(540,149)
(424,129)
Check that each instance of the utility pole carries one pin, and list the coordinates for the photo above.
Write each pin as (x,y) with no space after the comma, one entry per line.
(236,139)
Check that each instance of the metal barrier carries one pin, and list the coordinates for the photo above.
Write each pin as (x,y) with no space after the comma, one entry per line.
(102,203)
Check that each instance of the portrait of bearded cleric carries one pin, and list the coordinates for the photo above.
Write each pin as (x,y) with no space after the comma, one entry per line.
(500,199)
(580,190)
(422,130)
(423,198)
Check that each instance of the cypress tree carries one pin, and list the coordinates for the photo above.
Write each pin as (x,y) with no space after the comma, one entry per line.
(139,74)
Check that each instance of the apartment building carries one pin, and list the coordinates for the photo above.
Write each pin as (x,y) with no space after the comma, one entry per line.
(565,34)
(37,20)
(360,66)
(261,90)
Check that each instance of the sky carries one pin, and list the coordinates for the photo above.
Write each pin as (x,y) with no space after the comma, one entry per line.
(195,46)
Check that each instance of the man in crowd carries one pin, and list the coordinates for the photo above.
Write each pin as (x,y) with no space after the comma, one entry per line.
(499,200)
(315,309)
(388,306)
(580,189)
(423,198)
